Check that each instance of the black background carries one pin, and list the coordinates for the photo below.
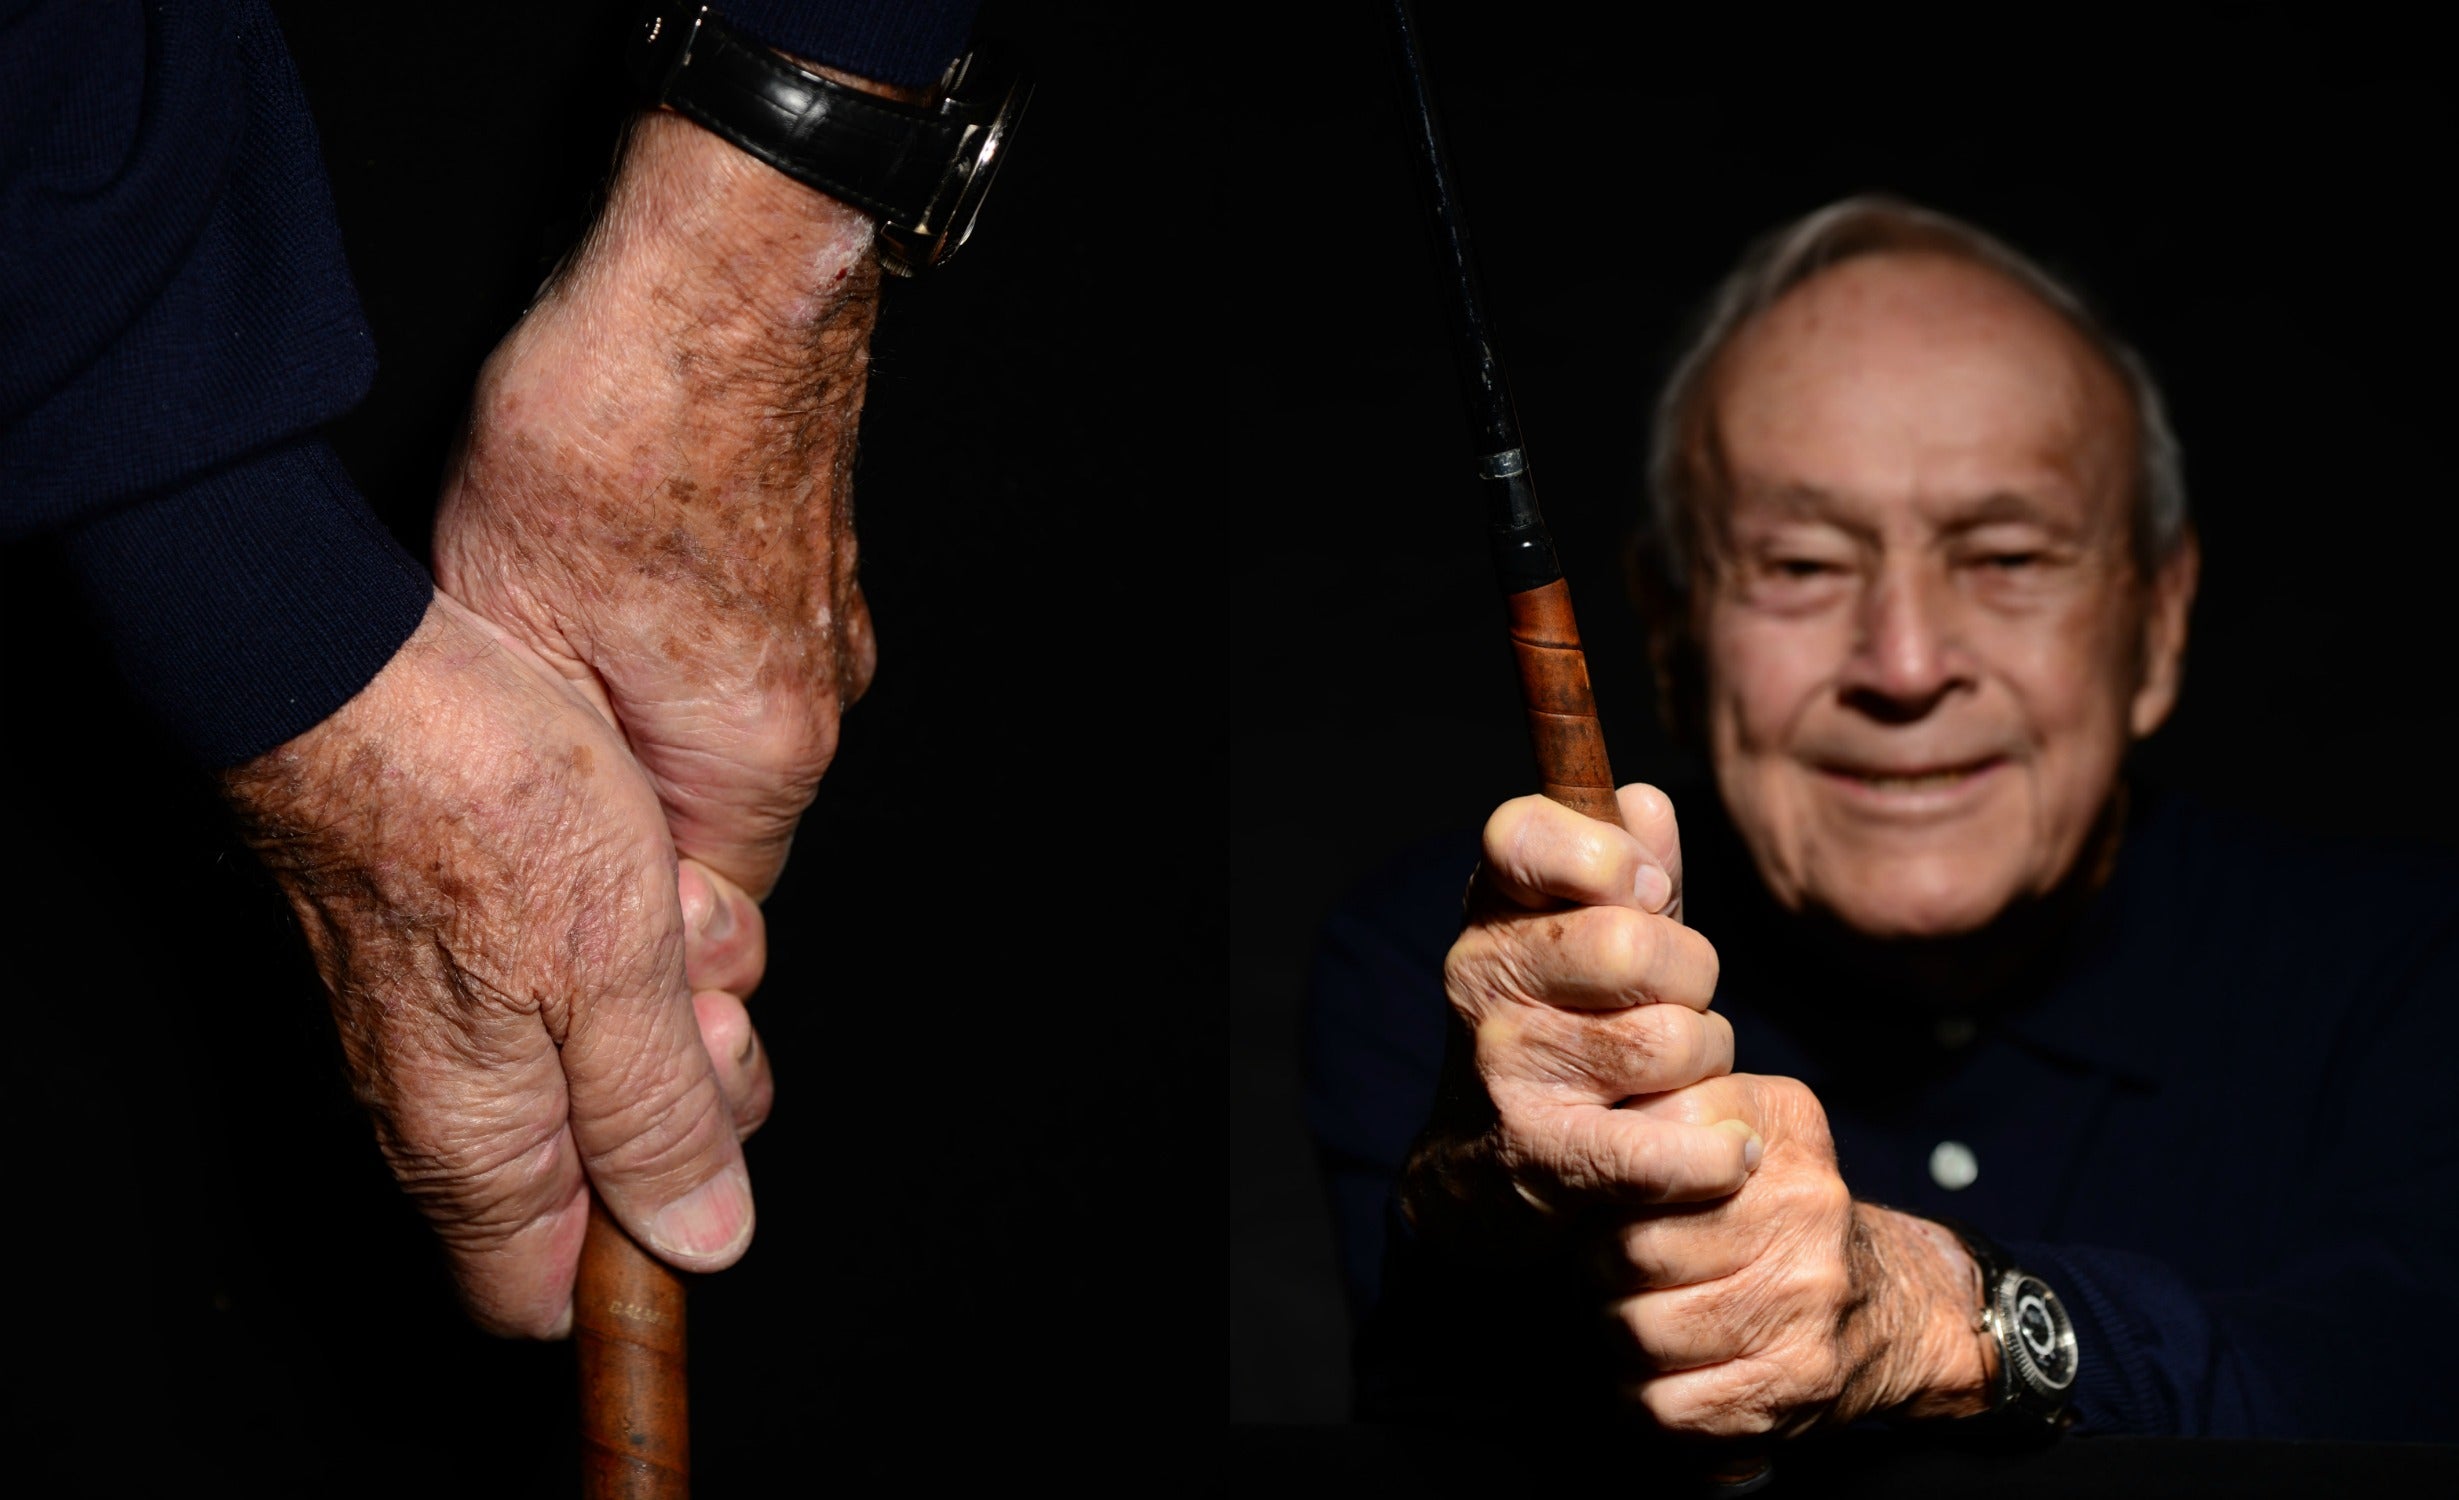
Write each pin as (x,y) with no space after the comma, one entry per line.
(969,1193)
(1176,579)
(2250,192)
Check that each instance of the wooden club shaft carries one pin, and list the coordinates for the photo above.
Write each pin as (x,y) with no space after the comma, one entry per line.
(627,1329)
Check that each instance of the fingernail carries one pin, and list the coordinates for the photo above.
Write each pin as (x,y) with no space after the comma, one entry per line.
(697,896)
(710,1220)
(720,921)
(1652,888)
(1752,1147)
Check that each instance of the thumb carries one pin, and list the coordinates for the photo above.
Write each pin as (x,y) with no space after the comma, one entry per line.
(653,1126)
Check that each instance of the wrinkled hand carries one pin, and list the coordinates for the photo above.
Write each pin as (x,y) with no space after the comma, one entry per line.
(487,885)
(1787,1305)
(1578,988)
(1601,1122)
(654,493)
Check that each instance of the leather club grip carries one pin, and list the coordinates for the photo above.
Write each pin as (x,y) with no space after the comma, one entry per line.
(1562,707)
(1570,746)
(627,1330)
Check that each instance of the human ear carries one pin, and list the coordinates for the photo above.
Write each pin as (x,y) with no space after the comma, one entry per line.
(2164,635)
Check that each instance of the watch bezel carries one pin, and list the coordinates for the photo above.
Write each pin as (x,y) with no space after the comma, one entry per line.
(2023,1381)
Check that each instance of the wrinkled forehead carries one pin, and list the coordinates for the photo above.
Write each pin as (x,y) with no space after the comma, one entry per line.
(1923,380)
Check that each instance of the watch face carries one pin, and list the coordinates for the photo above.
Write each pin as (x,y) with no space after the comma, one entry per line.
(2040,1339)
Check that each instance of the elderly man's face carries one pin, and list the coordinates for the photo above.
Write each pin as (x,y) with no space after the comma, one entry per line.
(1927,643)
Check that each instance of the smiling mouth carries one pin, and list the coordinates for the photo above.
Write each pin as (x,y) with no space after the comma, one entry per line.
(1913,780)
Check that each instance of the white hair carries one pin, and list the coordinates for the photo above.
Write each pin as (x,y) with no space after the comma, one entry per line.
(1678,479)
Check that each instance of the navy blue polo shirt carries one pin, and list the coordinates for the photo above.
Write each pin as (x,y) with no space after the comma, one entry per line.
(177,321)
(2219,1117)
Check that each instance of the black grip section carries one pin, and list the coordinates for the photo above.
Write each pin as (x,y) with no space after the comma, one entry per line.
(1523,549)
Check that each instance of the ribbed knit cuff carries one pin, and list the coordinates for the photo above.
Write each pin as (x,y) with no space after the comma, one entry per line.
(246,606)
(909,45)
(2123,1341)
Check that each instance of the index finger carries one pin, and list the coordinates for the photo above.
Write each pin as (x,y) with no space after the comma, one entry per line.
(1636,1160)
(725,939)
(648,1109)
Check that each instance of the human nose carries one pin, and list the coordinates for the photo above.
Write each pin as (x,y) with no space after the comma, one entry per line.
(1905,654)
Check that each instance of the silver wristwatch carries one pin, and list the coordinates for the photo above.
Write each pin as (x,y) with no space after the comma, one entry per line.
(2038,1357)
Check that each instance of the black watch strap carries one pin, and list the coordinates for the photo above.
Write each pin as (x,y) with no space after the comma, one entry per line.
(2037,1353)
(885,158)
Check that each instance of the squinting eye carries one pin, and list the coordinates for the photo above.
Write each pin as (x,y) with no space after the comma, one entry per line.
(1800,567)
(2010,561)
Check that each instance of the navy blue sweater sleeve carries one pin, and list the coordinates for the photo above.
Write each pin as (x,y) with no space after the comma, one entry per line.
(906,45)
(176,321)
(2320,1338)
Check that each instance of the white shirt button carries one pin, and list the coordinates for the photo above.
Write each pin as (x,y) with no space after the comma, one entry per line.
(1953,1166)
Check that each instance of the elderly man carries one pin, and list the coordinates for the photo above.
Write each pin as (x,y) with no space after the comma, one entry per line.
(2066,1106)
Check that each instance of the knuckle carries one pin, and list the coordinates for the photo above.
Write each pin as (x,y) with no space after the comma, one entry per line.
(1631,943)
(1523,1150)
(1673,1405)
(1743,1404)
(1594,852)
(1657,1047)
(1549,1150)
(1792,1098)
(1819,1372)
(1716,1051)
(1545,1157)
(1628,1249)
(1806,1199)
(1639,1159)
(1646,1035)
(1824,1283)
(1499,1037)
(1522,963)
(1632,1322)
(1506,830)
(480,1188)
(1688,956)
(1656,809)
(1684,1040)
(665,1136)
(1468,973)
(793,734)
